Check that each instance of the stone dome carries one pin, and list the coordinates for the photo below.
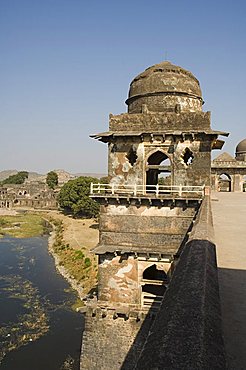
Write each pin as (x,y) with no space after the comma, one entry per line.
(241,147)
(164,87)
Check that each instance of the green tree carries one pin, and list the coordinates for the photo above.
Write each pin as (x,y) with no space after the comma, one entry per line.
(74,197)
(18,178)
(52,179)
(104,180)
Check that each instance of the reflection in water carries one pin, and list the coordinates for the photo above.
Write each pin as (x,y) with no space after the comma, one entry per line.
(38,329)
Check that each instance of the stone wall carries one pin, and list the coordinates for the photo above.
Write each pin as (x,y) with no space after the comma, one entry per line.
(162,122)
(137,136)
(108,337)
(145,227)
(187,332)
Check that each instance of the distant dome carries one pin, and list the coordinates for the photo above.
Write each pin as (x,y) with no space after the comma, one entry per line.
(164,87)
(241,147)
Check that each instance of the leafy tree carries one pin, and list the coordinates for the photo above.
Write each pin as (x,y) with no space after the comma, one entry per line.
(104,180)
(74,197)
(18,178)
(52,179)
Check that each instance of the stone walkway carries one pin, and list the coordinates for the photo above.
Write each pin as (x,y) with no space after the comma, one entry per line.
(229,217)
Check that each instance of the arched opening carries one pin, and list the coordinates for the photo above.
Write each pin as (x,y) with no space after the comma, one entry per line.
(244,183)
(188,157)
(154,285)
(152,273)
(158,170)
(224,183)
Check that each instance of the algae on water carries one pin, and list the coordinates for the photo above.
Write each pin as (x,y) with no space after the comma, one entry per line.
(23,225)
(31,324)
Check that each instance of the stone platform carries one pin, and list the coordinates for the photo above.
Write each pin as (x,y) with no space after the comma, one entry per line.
(229,217)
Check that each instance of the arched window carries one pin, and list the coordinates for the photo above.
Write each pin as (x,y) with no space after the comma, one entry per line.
(152,273)
(224,182)
(244,183)
(158,169)
(154,285)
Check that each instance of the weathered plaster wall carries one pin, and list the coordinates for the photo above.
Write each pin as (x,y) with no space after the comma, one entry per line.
(120,168)
(118,279)
(144,228)
(152,133)
(198,172)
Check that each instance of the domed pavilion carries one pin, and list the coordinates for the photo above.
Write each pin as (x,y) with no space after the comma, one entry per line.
(229,173)
(159,166)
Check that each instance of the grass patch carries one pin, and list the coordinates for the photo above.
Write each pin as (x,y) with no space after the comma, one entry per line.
(22,226)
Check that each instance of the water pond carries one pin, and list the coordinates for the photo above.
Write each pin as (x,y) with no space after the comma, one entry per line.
(38,328)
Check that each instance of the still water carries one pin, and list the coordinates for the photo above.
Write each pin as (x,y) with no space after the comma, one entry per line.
(38,328)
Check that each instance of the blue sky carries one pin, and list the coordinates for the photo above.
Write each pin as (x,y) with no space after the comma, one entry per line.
(66,64)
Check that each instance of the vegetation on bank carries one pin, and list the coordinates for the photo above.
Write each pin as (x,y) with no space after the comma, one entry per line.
(23,225)
(76,262)
(18,178)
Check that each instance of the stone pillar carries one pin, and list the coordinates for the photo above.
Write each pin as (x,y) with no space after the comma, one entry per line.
(238,183)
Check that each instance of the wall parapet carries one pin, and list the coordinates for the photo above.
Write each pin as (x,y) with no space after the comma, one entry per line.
(187,330)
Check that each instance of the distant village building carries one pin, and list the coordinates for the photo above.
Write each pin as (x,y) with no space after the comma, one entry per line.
(228,173)
(32,195)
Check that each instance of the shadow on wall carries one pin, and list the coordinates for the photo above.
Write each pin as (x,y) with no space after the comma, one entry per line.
(186,333)
(233,306)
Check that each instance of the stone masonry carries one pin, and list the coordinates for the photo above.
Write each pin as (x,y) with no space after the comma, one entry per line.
(159,163)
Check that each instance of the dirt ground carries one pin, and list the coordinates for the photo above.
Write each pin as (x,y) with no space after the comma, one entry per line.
(79,233)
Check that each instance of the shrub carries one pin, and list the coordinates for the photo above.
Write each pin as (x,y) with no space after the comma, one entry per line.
(87,262)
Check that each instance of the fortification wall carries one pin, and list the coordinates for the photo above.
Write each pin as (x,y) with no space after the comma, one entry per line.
(109,337)
(187,331)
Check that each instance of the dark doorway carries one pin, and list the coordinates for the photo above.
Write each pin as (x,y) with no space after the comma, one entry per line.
(158,170)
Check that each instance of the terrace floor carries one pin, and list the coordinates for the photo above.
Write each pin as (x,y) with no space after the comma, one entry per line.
(229,217)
